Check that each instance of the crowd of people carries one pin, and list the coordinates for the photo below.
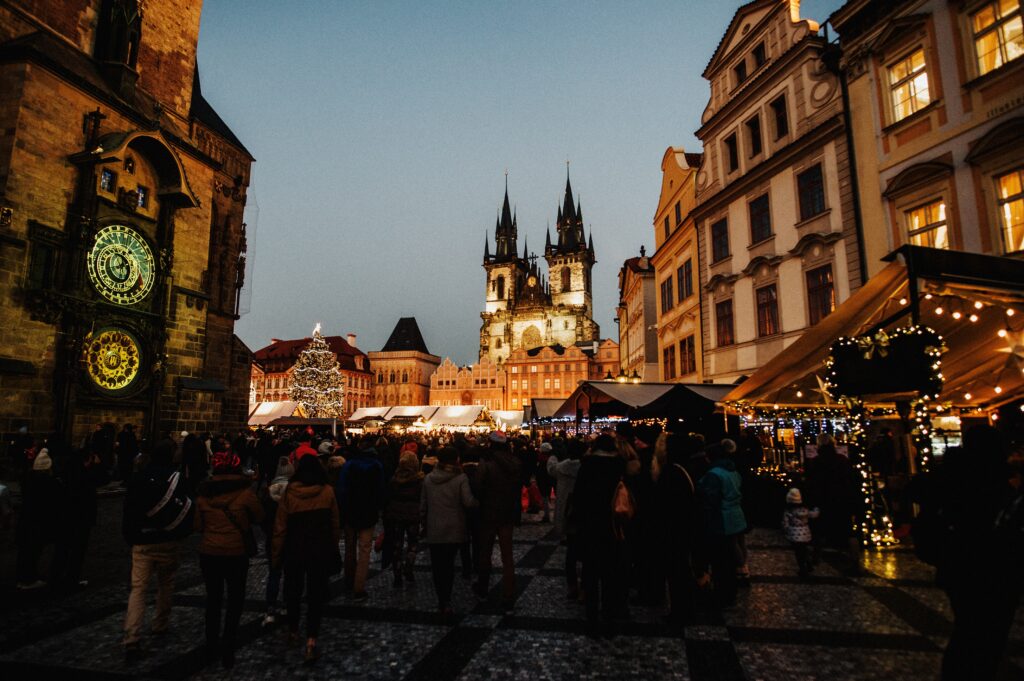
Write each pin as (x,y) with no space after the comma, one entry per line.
(646,517)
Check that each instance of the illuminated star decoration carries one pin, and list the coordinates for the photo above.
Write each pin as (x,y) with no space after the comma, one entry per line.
(1015,349)
(822,390)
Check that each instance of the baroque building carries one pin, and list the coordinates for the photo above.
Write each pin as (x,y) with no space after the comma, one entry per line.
(939,123)
(403,368)
(637,318)
(273,366)
(774,217)
(679,343)
(524,308)
(554,371)
(122,241)
(482,383)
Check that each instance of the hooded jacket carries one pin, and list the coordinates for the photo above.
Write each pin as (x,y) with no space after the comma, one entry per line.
(218,497)
(498,478)
(446,496)
(306,529)
(720,498)
(404,490)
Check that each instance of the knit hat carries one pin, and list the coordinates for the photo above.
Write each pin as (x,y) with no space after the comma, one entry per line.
(546,447)
(42,462)
(410,446)
(498,437)
(225,462)
(793,496)
(326,447)
(184,433)
(284,468)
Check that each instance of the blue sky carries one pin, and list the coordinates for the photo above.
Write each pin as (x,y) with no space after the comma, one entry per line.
(382,132)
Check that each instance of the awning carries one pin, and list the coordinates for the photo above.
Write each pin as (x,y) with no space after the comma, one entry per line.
(544,407)
(599,399)
(455,417)
(265,412)
(510,419)
(368,414)
(975,302)
(415,412)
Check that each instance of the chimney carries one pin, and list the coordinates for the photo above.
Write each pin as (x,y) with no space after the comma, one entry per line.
(351,338)
(275,340)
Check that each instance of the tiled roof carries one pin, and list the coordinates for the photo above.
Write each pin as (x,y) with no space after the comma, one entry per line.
(281,354)
(406,338)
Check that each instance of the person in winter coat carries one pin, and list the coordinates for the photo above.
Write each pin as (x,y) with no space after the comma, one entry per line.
(195,463)
(81,473)
(157,517)
(602,552)
(39,520)
(563,472)
(832,485)
(469,552)
(401,515)
(723,522)
(446,496)
(796,526)
(360,494)
(271,497)
(500,483)
(226,511)
(678,523)
(306,536)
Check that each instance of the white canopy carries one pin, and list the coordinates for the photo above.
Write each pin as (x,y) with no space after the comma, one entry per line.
(455,416)
(265,412)
(367,413)
(509,419)
(422,411)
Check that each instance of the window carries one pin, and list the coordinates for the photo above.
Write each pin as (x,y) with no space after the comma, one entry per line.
(720,240)
(129,165)
(687,356)
(684,280)
(547,384)
(723,323)
(821,296)
(533,368)
(666,296)
(392,377)
(108,180)
(1011,209)
(997,34)
(498,343)
(732,152)
(566,279)
(42,266)
(679,214)
(811,188)
(526,401)
(760,57)
(908,85)
(558,383)
(515,370)
(926,225)
(741,72)
(767,311)
(754,133)
(501,288)
(668,229)
(781,117)
(668,361)
(515,384)
(143,196)
(760,220)
(515,401)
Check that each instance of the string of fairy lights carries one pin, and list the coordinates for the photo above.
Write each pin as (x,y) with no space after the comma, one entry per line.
(317,384)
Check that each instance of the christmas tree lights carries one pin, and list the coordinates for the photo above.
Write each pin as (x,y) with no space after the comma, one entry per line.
(316,380)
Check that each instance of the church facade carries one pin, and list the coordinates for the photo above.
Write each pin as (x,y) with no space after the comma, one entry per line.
(526,309)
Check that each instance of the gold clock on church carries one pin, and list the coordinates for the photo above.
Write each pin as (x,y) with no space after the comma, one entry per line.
(121,265)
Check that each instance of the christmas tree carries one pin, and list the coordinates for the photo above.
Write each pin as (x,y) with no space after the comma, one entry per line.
(316,380)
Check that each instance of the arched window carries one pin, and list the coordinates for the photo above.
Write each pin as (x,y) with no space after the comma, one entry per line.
(380,376)
(405,377)
(392,377)
(566,279)
(501,288)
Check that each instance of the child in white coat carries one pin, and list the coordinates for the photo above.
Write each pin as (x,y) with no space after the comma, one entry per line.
(795,523)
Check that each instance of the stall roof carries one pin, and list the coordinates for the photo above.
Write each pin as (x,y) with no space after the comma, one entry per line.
(978,358)
(544,407)
(265,412)
(368,414)
(633,396)
(420,411)
(511,419)
(455,416)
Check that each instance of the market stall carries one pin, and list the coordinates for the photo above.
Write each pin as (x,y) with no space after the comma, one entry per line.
(263,413)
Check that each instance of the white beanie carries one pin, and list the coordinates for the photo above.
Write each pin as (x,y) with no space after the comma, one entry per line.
(42,462)
(793,496)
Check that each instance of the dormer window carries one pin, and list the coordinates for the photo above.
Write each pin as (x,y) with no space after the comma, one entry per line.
(740,70)
(760,57)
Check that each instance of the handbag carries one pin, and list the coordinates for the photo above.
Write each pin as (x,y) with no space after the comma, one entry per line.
(248,538)
(623,510)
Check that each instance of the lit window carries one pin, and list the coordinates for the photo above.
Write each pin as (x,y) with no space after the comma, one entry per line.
(926,225)
(108,180)
(558,383)
(1011,209)
(547,384)
(908,85)
(515,370)
(515,384)
(997,34)
(515,401)
(533,368)
(767,311)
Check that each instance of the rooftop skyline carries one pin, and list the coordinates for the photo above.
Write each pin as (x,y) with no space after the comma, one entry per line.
(383,133)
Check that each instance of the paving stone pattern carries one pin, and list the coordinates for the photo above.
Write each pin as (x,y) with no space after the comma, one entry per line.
(889,623)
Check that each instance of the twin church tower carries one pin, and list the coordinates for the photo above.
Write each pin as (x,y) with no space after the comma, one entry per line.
(526,309)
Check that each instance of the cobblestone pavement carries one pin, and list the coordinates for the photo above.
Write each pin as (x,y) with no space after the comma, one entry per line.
(891,623)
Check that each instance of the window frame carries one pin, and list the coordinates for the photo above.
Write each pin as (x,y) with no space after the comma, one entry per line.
(775,106)
(815,313)
(723,224)
(821,191)
(893,84)
(732,152)
(1000,202)
(768,321)
(911,233)
(767,215)
(720,323)
(995,27)
(754,136)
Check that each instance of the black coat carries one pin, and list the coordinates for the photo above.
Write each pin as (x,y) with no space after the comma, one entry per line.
(593,496)
(41,504)
(157,507)
(500,487)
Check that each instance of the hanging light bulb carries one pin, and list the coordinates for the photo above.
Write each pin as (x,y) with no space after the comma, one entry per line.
(927,296)
(957,315)
(1010,312)
(978,305)
(967,396)
(1001,333)
(973,318)
(939,310)
(799,393)
(999,389)
(995,416)
(903,301)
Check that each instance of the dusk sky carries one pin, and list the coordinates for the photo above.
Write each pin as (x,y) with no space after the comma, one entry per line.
(382,132)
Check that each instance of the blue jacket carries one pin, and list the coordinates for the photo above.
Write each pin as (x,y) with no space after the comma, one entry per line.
(720,496)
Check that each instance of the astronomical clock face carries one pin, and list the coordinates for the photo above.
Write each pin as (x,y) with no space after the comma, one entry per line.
(121,265)
(112,359)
